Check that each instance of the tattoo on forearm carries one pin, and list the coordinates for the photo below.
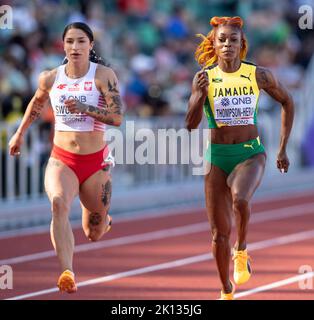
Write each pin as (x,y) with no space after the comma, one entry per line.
(98,111)
(34,116)
(95,219)
(104,115)
(100,114)
(110,121)
(106,193)
(36,110)
(81,106)
(112,106)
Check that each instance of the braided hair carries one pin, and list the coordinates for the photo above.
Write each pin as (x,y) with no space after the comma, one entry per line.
(93,57)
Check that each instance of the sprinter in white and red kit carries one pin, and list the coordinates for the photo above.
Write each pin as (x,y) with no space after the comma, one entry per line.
(84,95)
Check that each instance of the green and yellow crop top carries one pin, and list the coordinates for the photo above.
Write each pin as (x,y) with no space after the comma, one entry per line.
(232,97)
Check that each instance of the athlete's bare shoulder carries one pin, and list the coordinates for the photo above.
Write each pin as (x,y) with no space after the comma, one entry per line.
(264,77)
(106,79)
(104,72)
(267,81)
(46,79)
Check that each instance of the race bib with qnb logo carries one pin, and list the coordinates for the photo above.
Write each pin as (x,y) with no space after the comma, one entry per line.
(84,91)
(80,120)
(235,111)
(232,96)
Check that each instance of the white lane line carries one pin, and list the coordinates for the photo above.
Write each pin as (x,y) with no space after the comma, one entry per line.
(153,213)
(291,238)
(157,267)
(276,284)
(263,216)
(118,218)
(127,240)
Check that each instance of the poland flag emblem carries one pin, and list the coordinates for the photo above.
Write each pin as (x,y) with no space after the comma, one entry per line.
(88,86)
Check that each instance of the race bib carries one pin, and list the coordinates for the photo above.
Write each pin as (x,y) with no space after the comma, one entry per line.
(235,111)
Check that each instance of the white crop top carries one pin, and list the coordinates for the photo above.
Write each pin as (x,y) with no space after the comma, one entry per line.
(83,89)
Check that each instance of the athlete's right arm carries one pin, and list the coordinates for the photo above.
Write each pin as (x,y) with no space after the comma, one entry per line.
(32,112)
(197,100)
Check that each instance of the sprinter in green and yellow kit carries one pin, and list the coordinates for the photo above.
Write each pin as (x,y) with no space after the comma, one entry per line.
(232,101)
(227,90)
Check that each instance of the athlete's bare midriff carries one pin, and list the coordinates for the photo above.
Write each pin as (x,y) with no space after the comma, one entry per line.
(80,142)
(233,135)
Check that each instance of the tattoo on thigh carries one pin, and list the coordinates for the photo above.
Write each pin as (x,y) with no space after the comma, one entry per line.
(106,193)
(54,163)
(94,218)
(106,168)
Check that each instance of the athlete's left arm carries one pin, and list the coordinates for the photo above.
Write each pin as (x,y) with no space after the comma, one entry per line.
(107,83)
(268,82)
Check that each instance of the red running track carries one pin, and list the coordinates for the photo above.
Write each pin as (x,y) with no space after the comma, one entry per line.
(168,257)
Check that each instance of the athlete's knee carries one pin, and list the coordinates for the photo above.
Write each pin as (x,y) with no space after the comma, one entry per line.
(96,226)
(240,204)
(59,205)
(93,229)
(221,236)
(93,234)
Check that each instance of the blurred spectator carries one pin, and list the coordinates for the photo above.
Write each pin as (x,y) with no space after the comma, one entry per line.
(133,7)
(176,27)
